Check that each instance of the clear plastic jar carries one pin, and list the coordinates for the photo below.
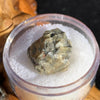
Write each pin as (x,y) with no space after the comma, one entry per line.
(73,91)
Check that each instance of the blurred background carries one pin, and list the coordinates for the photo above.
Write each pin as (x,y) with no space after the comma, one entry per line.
(88,11)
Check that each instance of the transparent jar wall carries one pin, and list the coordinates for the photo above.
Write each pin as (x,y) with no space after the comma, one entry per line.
(78,94)
(24,91)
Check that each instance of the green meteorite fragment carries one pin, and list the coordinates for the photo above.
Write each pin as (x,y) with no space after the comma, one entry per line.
(51,52)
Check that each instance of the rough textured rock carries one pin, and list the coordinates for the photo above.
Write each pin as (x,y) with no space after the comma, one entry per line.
(51,52)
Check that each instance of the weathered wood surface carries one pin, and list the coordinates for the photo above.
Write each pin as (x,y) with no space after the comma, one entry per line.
(94,94)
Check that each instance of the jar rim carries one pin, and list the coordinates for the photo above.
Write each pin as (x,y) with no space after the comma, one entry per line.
(94,64)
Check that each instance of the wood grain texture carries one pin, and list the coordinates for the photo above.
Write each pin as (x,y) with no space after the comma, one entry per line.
(11,97)
(94,94)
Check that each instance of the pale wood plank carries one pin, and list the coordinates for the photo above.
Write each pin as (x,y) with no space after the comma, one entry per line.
(94,94)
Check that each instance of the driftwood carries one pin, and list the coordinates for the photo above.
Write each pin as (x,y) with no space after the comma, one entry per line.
(12,13)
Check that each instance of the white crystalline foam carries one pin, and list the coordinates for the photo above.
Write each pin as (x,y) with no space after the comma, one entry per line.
(80,62)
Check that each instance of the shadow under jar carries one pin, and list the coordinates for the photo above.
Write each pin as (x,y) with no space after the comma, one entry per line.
(28,87)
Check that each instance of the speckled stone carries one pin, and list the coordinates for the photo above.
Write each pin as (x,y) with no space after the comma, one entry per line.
(51,52)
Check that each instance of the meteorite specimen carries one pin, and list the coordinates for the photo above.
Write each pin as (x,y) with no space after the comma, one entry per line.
(51,52)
